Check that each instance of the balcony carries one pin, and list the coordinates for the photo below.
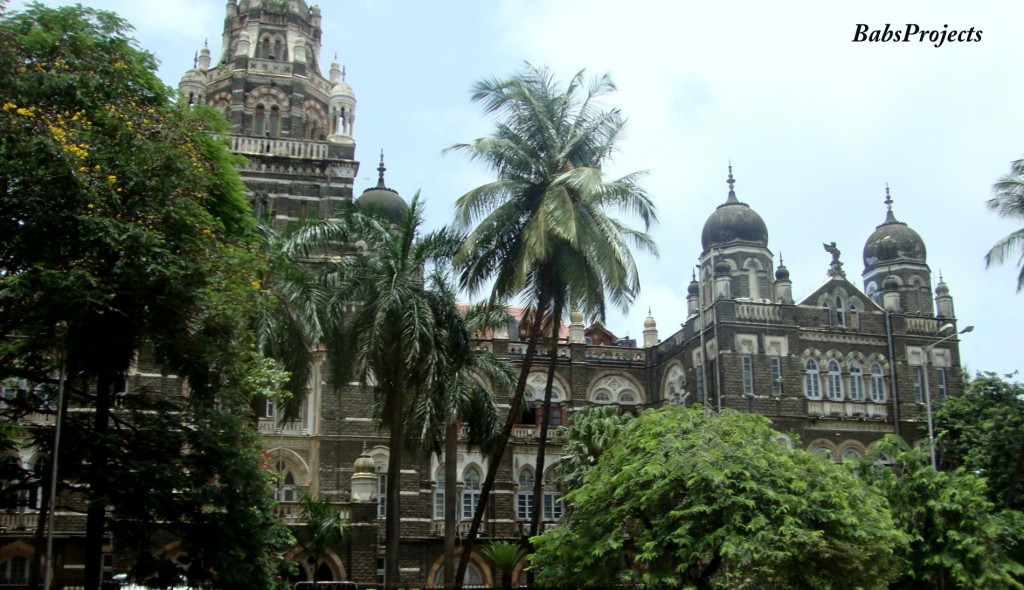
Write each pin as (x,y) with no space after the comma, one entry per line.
(270,426)
(864,410)
(288,148)
(291,512)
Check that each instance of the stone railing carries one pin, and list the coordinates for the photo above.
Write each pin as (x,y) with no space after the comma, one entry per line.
(847,409)
(289,148)
(923,325)
(272,426)
(524,431)
(612,353)
(759,312)
(291,512)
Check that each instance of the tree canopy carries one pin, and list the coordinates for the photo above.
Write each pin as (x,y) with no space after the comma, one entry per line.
(687,498)
(123,216)
(1008,201)
(956,538)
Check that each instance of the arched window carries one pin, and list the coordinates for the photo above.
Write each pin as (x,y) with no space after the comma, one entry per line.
(278,50)
(854,318)
(275,121)
(755,287)
(439,493)
(286,485)
(627,397)
(840,312)
(835,381)
(265,48)
(856,383)
(524,498)
(851,454)
(602,396)
(470,492)
(812,380)
(877,383)
(258,120)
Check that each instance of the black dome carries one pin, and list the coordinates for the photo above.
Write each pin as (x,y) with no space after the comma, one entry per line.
(733,221)
(893,241)
(381,200)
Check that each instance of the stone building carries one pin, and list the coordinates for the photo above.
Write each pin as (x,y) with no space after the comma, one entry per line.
(835,369)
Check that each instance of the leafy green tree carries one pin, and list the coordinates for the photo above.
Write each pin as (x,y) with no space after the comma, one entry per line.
(124,217)
(955,539)
(1008,201)
(325,528)
(983,432)
(592,430)
(505,556)
(685,498)
(542,228)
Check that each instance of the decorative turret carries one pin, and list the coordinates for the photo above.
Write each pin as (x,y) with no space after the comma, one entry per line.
(692,295)
(342,107)
(891,293)
(783,286)
(364,478)
(576,328)
(192,87)
(204,57)
(650,331)
(943,300)
(723,286)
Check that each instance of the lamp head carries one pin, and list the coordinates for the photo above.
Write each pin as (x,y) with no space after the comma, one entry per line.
(967,329)
(946,327)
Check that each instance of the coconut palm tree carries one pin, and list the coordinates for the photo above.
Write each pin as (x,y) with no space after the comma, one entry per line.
(542,229)
(1008,201)
(462,398)
(325,528)
(505,556)
(396,336)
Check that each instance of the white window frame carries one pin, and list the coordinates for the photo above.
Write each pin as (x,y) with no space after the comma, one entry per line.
(835,381)
(917,376)
(524,497)
(470,492)
(878,393)
(776,364)
(552,505)
(812,380)
(748,374)
(940,382)
(856,383)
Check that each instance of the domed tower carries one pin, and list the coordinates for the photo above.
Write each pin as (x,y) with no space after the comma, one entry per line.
(342,106)
(381,200)
(736,236)
(266,81)
(896,254)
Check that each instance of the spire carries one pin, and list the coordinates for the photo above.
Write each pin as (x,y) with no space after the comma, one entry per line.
(380,171)
(195,61)
(889,217)
(342,73)
(731,182)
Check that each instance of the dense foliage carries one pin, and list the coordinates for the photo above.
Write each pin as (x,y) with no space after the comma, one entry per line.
(687,498)
(957,540)
(123,217)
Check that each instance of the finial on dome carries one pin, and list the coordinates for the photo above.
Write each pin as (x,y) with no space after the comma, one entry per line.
(731,182)
(364,448)
(781,263)
(889,217)
(380,171)
(342,73)
(195,61)
(206,43)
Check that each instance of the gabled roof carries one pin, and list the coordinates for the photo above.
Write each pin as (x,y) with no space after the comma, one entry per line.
(829,286)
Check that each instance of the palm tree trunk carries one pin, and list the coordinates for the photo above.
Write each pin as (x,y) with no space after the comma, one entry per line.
(542,441)
(393,514)
(506,434)
(451,473)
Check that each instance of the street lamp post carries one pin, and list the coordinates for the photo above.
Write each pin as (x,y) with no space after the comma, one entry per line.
(60,330)
(927,392)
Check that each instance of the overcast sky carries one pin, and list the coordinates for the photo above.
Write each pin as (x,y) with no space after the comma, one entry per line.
(814,124)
